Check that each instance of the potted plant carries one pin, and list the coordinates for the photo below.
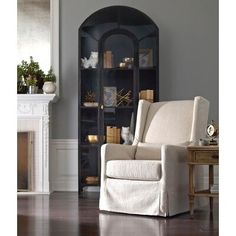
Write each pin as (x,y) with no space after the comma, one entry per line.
(21,84)
(30,75)
(49,82)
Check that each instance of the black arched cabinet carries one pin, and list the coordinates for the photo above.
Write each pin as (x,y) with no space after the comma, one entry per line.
(124,44)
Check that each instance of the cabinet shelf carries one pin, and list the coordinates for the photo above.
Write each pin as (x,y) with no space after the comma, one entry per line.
(119,107)
(87,145)
(205,193)
(88,121)
(118,69)
(147,68)
(89,69)
(89,108)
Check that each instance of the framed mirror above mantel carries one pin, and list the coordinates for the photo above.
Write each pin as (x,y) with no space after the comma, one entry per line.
(38,34)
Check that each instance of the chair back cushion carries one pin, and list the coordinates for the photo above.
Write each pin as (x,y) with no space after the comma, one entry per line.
(169,122)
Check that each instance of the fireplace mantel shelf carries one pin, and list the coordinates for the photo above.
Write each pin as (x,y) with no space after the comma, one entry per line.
(37,98)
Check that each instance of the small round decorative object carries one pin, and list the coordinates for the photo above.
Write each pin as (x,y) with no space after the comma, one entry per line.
(49,87)
(212,132)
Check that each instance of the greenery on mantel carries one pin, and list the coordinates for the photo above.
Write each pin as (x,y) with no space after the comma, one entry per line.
(30,74)
(50,76)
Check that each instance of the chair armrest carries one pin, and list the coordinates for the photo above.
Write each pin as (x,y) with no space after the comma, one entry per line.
(117,152)
(114,152)
(174,173)
(174,165)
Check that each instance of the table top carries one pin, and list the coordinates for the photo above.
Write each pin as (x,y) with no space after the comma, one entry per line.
(203,148)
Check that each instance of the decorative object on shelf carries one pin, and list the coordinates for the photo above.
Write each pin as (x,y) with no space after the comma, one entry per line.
(91,138)
(31,74)
(147,95)
(91,62)
(49,87)
(110,99)
(126,135)
(212,132)
(32,89)
(90,99)
(123,98)
(122,65)
(146,57)
(92,180)
(203,142)
(127,62)
(90,104)
(108,59)
(31,84)
(49,82)
(113,134)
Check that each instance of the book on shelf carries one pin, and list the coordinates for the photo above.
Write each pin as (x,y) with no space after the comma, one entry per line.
(147,95)
(108,59)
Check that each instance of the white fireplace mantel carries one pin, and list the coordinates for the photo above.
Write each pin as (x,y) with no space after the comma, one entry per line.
(33,114)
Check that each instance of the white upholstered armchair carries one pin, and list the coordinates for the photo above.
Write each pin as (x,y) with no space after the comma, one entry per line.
(150,177)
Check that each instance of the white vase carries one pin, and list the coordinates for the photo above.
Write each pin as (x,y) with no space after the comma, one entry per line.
(49,87)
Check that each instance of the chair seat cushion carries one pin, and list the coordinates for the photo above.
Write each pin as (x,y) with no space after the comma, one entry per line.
(134,169)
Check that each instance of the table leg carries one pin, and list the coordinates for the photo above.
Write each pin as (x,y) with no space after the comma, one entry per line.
(211,182)
(191,204)
(191,189)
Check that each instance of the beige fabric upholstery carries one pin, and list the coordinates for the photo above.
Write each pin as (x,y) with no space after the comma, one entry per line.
(134,170)
(141,120)
(161,127)
(148,151)
(163,131)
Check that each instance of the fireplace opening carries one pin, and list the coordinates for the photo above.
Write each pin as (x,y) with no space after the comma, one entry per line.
(24,161)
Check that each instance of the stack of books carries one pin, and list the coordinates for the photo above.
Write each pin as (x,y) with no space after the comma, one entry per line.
(214,188)
(92,180)
(113,134)
(147,95)
(108,59)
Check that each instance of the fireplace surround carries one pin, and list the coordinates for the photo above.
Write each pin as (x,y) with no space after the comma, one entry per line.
(33,115)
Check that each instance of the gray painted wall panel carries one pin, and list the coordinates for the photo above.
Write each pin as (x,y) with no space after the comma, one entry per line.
(188,53)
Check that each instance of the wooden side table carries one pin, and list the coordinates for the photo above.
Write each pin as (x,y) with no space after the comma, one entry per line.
(202,155)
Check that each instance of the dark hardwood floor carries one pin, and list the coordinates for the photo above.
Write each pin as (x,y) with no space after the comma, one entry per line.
(63,213)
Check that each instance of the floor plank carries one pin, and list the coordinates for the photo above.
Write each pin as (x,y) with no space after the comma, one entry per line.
(63,213)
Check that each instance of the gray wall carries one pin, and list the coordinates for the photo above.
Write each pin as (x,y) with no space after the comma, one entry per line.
(188,52)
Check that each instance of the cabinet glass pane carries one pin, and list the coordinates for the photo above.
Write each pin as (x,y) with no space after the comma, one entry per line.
(89,165)
(89,87)
(89,123)
(148,69)
(117,48)
(88,45)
